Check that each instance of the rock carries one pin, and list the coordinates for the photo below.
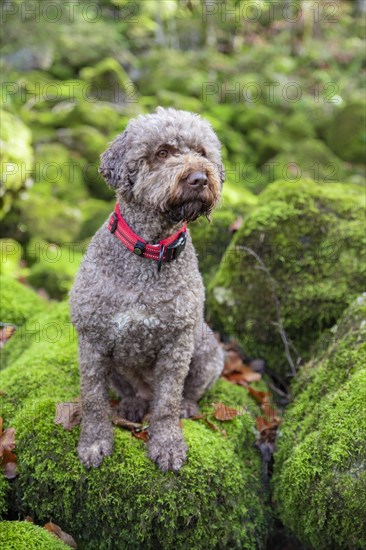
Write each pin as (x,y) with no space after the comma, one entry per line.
(313,159)
(128,502)
(58,174)
(212,239)
(320,462)
(94,213)
(16,160)
(24,535)
(311,239)
(346,133)
(50,219)
(109,82)
(55,270)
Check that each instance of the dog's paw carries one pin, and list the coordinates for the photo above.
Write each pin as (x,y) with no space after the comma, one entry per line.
(132,408)
(169,452)
(91,454)
(189,409)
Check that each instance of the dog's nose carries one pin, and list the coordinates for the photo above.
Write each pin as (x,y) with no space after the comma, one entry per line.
(197,179)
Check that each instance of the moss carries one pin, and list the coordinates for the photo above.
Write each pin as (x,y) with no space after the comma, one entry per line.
(58,174)
(23,535)
(16,158)
(18,302)
(346,134)
(215,501)
(320,462)
(311,239)
(51,219)
(108,79)
(4,490)
(11,256)
(313,159)
(94,214)
(40,360)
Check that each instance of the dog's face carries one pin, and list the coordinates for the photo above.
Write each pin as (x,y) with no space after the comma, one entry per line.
(169,161)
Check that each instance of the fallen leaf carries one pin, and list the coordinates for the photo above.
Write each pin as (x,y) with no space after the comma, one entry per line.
(260,396)
(211,425)
(142,434)
(6,333)
(29,519)
(69,414)
(7,440)
(60,534)
(223,412)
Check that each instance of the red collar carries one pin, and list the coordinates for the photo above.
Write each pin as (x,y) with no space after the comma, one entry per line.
(165,250)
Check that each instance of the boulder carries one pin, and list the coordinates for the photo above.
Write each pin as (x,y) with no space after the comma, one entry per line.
(304,267)
(16,160)
(320,461)
(216,500)
(346,133)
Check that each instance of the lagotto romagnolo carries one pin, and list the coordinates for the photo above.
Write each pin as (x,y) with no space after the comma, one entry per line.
(137,301)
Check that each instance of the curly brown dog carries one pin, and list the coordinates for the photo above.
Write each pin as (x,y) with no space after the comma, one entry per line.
(137,302)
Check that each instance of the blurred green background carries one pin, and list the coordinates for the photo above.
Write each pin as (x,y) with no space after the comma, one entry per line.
(280,82)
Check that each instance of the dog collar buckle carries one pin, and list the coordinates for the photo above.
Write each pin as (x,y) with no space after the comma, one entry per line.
(175,249)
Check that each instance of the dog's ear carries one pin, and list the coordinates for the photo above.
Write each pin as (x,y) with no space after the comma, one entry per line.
(113,164)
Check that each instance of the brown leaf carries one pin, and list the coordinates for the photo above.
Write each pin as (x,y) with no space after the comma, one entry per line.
(6,333)
(7,441)
(60,534)
(68,414)
(29,519)
(211,425)
(142,434)
(260,396)
(223,412)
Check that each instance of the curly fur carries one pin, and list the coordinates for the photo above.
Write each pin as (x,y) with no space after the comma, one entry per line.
(140,330)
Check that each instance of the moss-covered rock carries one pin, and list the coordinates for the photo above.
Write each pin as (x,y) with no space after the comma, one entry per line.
(312,159)
(18,302)
(58,174)
(94,213)
(311,239)
(11,256)
(320,462)
(346,134)
(55,271)
(16,160)
(212,239)
(109,81)
(23,535)
(50,219)
(215,501)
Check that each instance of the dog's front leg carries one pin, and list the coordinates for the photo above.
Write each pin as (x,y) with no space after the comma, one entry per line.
(96,438)
(166,443)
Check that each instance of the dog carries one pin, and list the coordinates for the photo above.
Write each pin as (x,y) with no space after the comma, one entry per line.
(138,298)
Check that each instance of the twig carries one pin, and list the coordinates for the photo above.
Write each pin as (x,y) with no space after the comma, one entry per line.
(277,303)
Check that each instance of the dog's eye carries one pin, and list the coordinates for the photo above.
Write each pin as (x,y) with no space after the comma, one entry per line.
(162,154)
(201,152)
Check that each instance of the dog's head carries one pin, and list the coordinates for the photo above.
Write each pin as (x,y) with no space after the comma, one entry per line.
(169,161)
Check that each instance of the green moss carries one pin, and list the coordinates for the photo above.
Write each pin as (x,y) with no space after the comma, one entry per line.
(55,271)
(16,158)
(320,461)
(18,302)
(94,213)
(4,491)
(23,535)
(40,360)
(58,174)
(50,219)
(313,159)
(311,239)
(109,79)
(346,134)
(215,501)
(11,256)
